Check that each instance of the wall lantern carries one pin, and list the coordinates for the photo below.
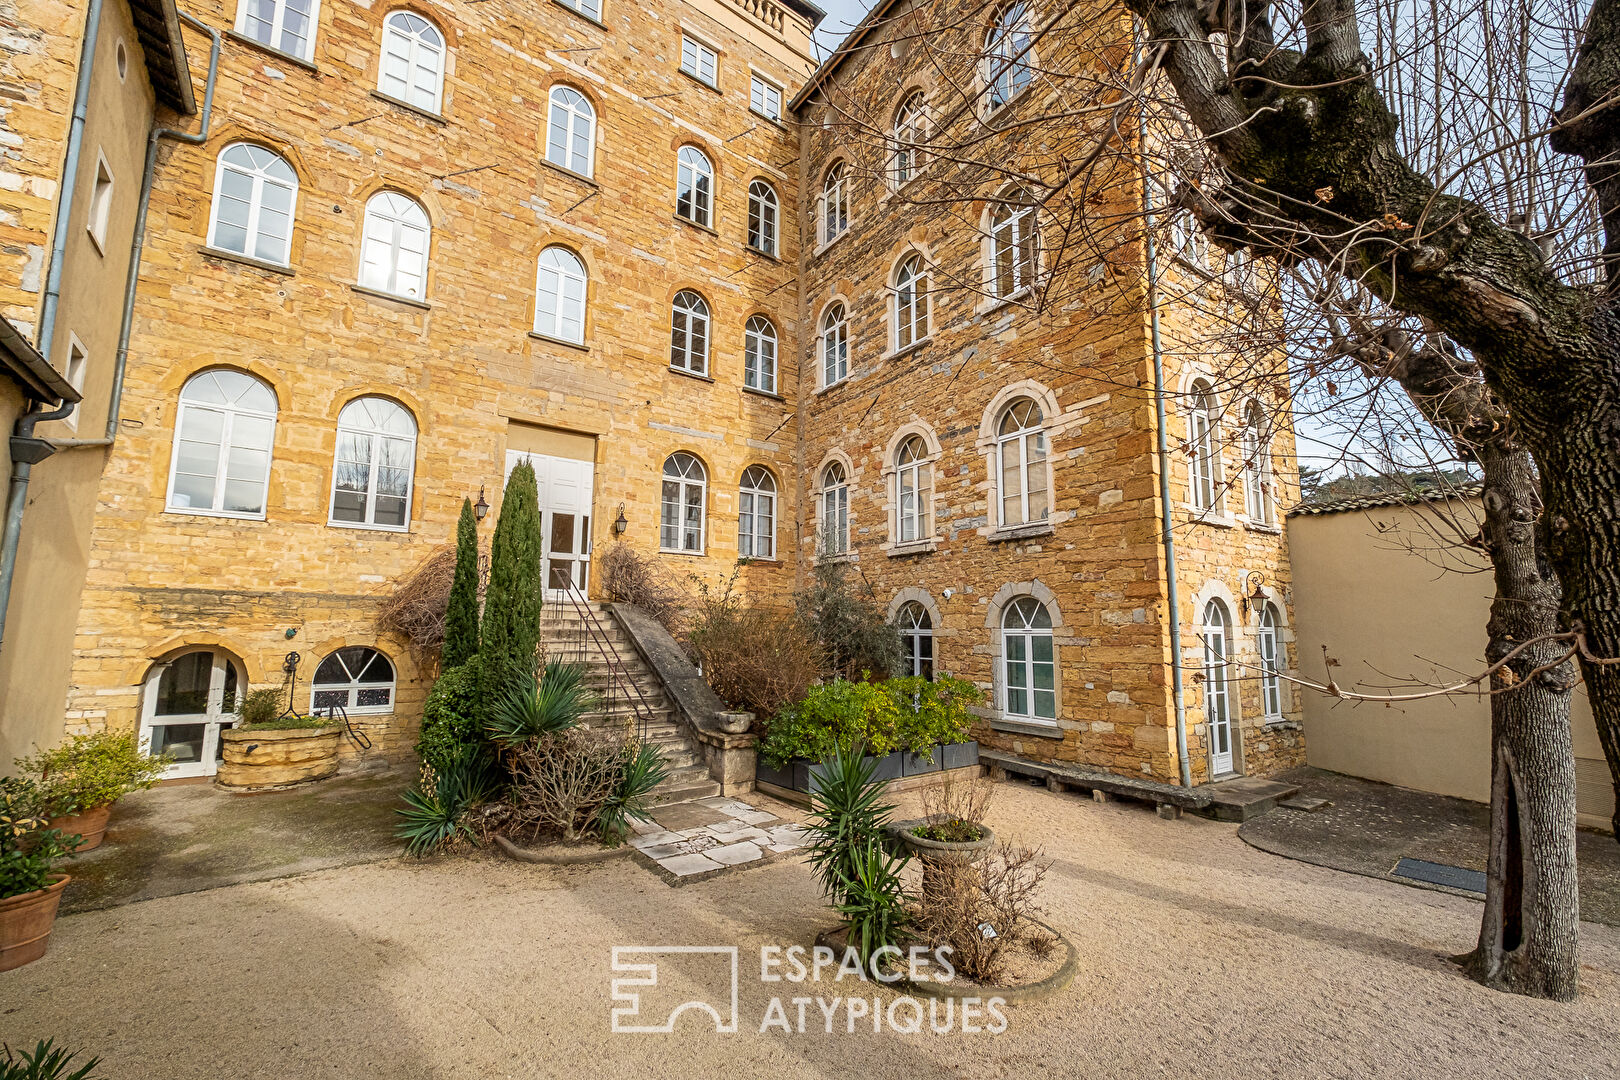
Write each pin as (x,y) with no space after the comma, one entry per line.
(480,508)
(619,524)
(1257,596)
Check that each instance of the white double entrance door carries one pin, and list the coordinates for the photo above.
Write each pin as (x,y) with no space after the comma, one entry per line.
(565,517)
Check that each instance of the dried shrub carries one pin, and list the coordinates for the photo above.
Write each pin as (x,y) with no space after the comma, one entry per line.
(856,640)
(956,808)
(559,782)
(630,577)
(955,900)
(415,610)
(756,657)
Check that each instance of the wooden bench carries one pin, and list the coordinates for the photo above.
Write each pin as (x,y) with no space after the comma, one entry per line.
(1170,799)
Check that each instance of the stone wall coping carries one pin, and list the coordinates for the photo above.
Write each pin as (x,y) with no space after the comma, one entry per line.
(693,698)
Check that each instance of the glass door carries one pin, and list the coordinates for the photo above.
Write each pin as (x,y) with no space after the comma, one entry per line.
(565,488)
(185,704)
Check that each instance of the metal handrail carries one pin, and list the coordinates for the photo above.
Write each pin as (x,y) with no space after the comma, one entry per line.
(618,673)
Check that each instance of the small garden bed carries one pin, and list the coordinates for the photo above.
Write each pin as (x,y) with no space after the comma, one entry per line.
(805,776)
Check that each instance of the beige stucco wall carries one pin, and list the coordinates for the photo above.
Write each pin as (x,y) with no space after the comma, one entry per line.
(1388,600)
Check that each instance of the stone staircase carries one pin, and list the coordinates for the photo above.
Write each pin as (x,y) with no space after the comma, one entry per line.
(564,635)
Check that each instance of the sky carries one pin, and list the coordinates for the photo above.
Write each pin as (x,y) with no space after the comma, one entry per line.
(842,15)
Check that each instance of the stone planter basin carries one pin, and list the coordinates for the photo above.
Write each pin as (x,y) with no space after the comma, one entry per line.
(942,851)
(734,723)
(266,760)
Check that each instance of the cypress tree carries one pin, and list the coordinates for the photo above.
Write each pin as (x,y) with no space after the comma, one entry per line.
(461,615)
(510,633)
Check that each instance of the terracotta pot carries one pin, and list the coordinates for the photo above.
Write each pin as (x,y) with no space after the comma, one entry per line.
(25,924)
(92,825)
(276,758)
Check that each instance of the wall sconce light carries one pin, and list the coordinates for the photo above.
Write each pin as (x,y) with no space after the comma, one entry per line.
(1256,595)
(619,524)
(480,508)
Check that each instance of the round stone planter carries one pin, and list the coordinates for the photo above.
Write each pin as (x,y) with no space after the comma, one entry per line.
(266,760)
(942,851)
(25,924)
(91,825)
(734,723)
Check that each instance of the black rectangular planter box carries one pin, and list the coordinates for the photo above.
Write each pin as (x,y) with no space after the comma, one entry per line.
(782,777)
(918,764)
(958,755)
(802,774)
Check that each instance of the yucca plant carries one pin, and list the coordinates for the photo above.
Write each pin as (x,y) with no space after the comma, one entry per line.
(45,1063)
(846,815)
(643,770)
(433,819)
(874,907)
(553,703)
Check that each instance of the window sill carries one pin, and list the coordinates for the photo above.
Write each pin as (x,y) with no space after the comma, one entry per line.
(581,346)
(772,394)
(920,547)
(688,554)
(186,511)
(691,374)
(271,50)
(98,239)
(696,225)
(990,112)
(920,343)
(579,177)
(822,248)
(749,560)
(247,260)
(426,114)
(712,87)
(1045,729)
(383,294)
(598,23)
(1199,516)
(762,253)
(768,118)
(841,557)
(832,386)
(1282,723)
(361,526)
(996,303)
(1261,527)
(1022,532)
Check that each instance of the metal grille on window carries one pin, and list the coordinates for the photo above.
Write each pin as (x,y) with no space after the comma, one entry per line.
(355,678)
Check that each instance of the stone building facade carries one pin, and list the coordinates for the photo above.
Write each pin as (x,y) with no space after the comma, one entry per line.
(423,240)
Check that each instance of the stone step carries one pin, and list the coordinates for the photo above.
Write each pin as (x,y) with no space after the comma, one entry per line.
(686,783)
(1244,797)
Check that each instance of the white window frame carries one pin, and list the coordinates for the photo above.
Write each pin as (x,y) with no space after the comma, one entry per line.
(259,180)
(78,365)
(278,27)
(764,218)
(834,505)
(399,223)
(1014,229)
(1219,715)
(1026,610)
(916,625)
(353,686)
(591,9)
(910,302)
(100,209)
(558,282)
(376,434)
(756,514)
(914,475)
(691,320)
(760,349)
(694,184)
(579,118)
(700,60)
(833,344)
(1268,643)
(764,97)
(420,55)
(1008,69)
(834,215)
(229,413)
(1203,449)
(1257,470)
(910,131)
(1019,443)
(686,484)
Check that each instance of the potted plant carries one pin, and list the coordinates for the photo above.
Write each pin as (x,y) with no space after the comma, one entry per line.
(30,889)
(80,780)
(268,749)
(839,715)
(952,828)
(932,723)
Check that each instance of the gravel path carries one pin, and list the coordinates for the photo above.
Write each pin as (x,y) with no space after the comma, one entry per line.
(1200,957)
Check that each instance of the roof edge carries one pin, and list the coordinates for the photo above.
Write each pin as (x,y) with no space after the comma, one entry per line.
(1408,497)
(24,363)
(829,65)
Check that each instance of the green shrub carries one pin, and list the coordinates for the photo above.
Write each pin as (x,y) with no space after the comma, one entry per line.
(848,854)
(642,769)
(450,717)
(839,715)
(932,712)
(509,636)
(91,771)
(461,610)
(259,706)
(28,848)
(435,813)
(556,702)
(852,630)
(45,1063)
(875,909)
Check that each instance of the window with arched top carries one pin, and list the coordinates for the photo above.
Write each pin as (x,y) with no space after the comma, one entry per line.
(1029,662)
(1009,61)
(681,519)
(355,679)
(1203,456)
(559,296)
(756,514)
(914,491)
(1268,646)
(1014,241)
(759,354)
(284,25)
(834,510)
(916,628)
(694,186)
(571,131)
(910,302)
(910,132)
(255,192)
(412,68)
(224,430)
(834,345)
(689,333)
(763,209)
(186,701)
(374,465)
(394,245)
(1257,477)
(834,203)
(1217,635)
(1021,483)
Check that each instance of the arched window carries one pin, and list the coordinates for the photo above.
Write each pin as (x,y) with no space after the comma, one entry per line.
(559,296)
(686,485)
(394,245)
(571,130)
(1013,243)
(186,702)
(355,679)
(1203,459)
(374,465)
(689,334)
(1009,60)
(1265,639)
(1257,466)
(834,346)
(1030,662)
(1021,463)
(762,209)
(834,510)
(224,429)
(910,303)
(254,194)
(759,354)
(1217,634)
(834,204)
(284,25)
(914,491)
(910,131)
(412,68)
(694,186)
(1187,240)
(916,628)
(756,514)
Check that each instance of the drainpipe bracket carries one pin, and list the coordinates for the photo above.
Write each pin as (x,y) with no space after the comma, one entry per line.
(29,450)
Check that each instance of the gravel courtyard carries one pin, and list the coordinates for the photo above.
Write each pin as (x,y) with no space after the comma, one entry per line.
(1199,957)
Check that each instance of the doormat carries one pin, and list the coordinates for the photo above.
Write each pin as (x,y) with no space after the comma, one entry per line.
(1453,877)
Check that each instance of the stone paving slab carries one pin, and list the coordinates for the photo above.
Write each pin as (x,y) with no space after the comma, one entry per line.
(703,837)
